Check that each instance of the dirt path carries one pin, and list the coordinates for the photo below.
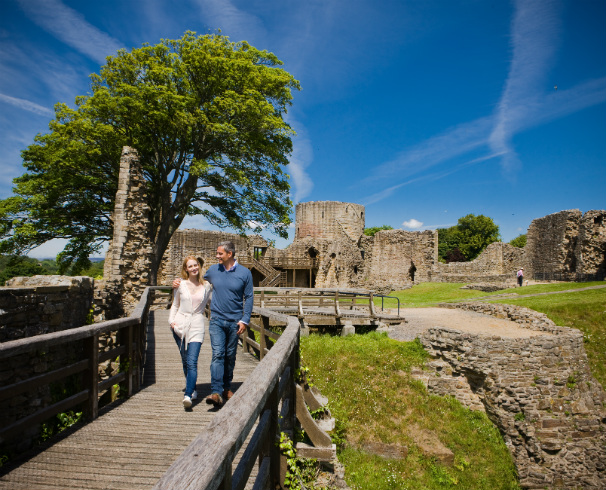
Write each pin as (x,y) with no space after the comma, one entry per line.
(420,319)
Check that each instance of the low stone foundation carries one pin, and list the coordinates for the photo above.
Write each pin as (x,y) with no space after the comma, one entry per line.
(539,391)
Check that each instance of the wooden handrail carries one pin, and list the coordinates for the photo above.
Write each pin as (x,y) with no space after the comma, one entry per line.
(131,351)
(207,462)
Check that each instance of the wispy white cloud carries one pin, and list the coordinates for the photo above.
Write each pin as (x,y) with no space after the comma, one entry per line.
(524,103)
(301,157)
(26,105)
(534,31)
(70,27)
(232,21)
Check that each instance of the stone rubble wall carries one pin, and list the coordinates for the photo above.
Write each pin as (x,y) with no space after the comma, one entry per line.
(327,219)
(34,306)
(590,253)
(129,256)
(202,244)
(401,258)
(43,304)
(551,241)
(539,391)
(498,264)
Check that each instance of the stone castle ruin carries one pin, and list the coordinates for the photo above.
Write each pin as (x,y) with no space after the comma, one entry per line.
(330,250)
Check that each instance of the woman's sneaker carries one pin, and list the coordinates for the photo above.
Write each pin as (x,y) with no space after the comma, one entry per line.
(186,402)
(194,395)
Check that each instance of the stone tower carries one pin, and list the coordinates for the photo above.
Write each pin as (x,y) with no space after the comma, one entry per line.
(329,220)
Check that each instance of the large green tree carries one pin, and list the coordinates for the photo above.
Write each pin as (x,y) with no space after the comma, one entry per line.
(469,237)
(206,117)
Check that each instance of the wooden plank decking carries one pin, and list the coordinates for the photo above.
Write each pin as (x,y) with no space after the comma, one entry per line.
(133,444)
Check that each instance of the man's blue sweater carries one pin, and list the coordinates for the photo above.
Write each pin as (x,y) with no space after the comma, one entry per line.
(230,289)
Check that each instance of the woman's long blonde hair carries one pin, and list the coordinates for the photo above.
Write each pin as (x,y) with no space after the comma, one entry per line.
(184,273)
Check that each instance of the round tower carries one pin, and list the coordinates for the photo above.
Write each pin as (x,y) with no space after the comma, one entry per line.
(329,220)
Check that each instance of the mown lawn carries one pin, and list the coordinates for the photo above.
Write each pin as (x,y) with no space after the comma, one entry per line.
(374,399)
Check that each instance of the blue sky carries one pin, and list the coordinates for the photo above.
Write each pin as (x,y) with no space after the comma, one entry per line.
(421,110)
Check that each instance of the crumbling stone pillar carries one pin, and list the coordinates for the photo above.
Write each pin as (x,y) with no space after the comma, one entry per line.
(129,258)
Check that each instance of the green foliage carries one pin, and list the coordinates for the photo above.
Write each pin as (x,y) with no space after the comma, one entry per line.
(19,266)
(367,379)
(206,117)
(471,235)
(519,241)
(58,424)
(23,266)
(300,472)
(374,229)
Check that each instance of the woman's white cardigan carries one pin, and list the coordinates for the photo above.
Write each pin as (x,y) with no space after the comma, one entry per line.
(181,312)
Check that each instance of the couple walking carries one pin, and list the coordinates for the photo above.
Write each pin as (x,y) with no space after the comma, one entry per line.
(230,311)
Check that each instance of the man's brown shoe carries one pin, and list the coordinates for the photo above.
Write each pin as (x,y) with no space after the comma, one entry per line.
(227,394)
(215,399)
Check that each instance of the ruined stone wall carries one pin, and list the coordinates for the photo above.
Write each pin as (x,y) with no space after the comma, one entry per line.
(399,258)
(551,241)
(328,220)
(43,304)
(202,244)
(498,264)
(590,253)
(129,257)
(33,306)
(538,391)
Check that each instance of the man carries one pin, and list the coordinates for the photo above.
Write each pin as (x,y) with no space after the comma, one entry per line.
(230,310)
(521,276)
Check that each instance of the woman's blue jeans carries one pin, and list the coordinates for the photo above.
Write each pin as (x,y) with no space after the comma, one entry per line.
(224,343)
(189,358)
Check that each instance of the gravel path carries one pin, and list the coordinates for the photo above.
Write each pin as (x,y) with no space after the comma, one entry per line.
(420,319)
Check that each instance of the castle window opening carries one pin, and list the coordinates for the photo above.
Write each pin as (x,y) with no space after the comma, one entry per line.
(597,220)
(362,254)
(312,252)
(355,269)
(333,256)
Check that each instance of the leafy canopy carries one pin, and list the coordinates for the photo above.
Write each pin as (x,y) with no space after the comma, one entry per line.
(374,229)
(468,238)
(519,241)
(206,117)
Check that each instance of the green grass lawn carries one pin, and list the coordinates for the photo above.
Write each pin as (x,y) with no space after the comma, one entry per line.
(431,293)
(374,399)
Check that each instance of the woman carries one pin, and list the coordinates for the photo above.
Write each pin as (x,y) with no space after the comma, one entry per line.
(187,322)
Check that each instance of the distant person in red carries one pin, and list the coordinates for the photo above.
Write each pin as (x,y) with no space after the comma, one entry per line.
(520,276)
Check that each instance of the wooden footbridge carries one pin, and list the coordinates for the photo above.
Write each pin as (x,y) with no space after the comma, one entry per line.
(148,440)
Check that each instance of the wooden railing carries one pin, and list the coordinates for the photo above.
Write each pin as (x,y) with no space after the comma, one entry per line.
(333,300)
(270,401)
(207,462)
(129,348)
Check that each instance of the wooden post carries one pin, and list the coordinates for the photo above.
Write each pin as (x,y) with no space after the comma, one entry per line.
(130,360)
(337,309)
(262,299)
(226,482)
(91,351)
(245,346)
(371,305)
(269,448)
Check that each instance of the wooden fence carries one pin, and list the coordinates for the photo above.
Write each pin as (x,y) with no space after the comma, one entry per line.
(269,401)
(129,349)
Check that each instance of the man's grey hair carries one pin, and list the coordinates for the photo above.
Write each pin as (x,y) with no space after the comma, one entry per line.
(228,247)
